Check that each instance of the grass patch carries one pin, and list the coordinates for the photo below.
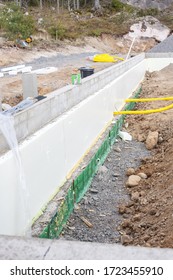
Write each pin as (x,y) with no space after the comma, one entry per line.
(147,12)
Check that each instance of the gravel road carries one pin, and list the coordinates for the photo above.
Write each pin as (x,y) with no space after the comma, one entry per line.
(61,60)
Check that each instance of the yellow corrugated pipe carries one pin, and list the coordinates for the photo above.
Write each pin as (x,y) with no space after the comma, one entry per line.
(149,99)
(146,111)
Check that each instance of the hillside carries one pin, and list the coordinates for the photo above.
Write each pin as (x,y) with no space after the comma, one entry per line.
(51,28)
(68,33)
(147,4)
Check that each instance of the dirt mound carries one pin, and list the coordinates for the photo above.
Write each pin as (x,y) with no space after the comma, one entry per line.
(150,220)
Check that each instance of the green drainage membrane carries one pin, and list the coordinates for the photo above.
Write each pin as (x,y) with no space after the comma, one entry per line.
(81,184)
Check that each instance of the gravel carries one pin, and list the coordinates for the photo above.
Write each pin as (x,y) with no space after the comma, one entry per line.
(60,60)
(96,218)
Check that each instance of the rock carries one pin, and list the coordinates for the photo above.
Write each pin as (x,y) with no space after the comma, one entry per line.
(152,139)
(137,217)
(71,228)
(142,175)
(125,136)
(143,201)
(152,212)
(135,196)
(130,171)
(116,175)
(92,190)
(162,234)
(148,27)
(126,223)
(142,193)
(102,169)
(157,214)
(133,181)
(146,237)
(130,204)
(125,216)
(141,138)
(117,149)
(122,209)
(160,140)
(76,207)
(148,173)
(126,239)
(145,160)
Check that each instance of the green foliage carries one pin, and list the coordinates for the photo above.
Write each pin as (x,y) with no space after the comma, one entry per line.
(95,32)
(120,18)
(33,3)
(58,31)
(14,22)
(147,12)
(117,5)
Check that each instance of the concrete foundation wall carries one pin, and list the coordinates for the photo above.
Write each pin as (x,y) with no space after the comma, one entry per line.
(53,151)
(158,61)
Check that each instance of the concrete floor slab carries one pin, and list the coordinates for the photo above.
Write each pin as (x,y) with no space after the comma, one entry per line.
(18,248)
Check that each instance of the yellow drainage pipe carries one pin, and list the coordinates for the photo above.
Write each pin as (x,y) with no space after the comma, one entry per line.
(145,111)
(149,99)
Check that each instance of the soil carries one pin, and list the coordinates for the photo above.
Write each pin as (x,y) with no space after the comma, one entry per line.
(65,63)
(154,225)
(140,215)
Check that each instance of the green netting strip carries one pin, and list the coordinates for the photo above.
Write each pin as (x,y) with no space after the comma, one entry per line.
(82,182)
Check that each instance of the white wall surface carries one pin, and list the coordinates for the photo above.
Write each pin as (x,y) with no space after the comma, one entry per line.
(52,152)
(157,64)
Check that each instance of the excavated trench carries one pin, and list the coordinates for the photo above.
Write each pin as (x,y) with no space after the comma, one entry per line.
(113,211)
(96,218)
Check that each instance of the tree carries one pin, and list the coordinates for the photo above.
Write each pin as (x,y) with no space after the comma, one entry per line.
(97,5)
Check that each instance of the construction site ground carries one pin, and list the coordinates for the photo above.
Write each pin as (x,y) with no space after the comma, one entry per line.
(111,211)
(66,64)
(67,57)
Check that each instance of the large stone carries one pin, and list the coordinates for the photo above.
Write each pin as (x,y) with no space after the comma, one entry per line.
(142,175)
(148,27)
(130,171)
(133,181)
(152,139)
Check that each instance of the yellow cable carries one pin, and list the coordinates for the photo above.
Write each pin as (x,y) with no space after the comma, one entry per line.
(144,111)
